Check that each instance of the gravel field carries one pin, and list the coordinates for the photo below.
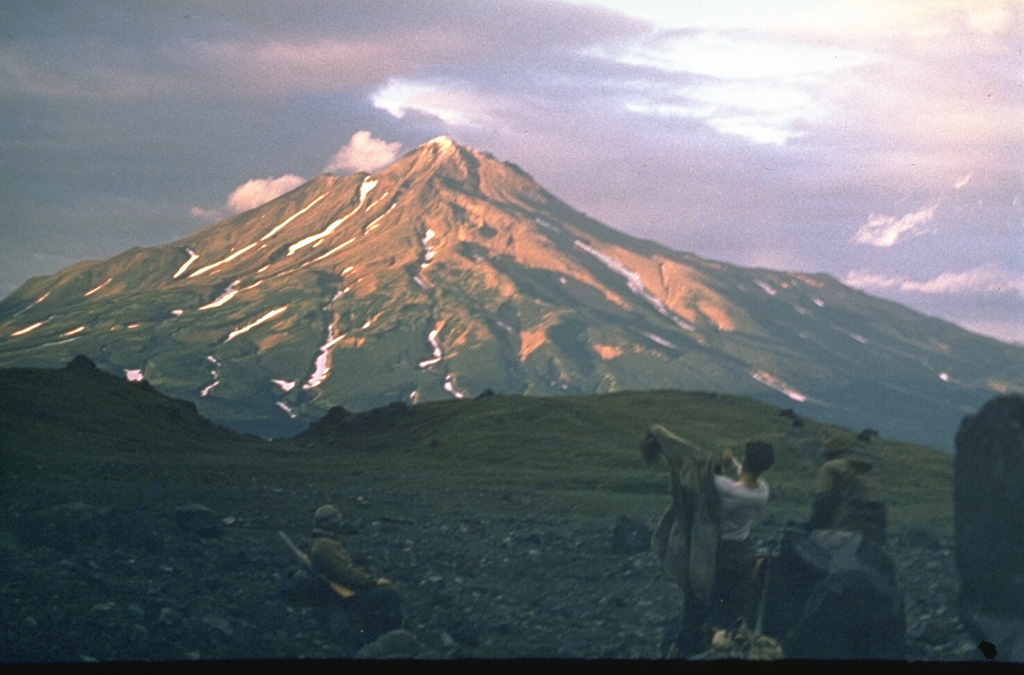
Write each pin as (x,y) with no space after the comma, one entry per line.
(105,571)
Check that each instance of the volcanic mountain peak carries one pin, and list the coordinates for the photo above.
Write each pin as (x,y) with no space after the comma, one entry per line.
(443,144)
(449,273)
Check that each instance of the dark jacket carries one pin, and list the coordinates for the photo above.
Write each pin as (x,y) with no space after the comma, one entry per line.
(686,538)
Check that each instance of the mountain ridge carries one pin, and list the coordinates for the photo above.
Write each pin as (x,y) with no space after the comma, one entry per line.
(449,273)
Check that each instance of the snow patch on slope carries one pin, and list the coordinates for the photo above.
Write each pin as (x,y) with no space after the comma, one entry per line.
(203,270)
(205,391)
(545,224)
(29,328)
(285,385)
(366,187)
(228,293)
(248,327)
(449,386)
(660,340)
(333,250)
(90,292)
(295,215)
(322,366)
(635,285)
(767,378)
(376,221)
(317,239)
(428,251)
(285,407)
(438,353)
(192,257)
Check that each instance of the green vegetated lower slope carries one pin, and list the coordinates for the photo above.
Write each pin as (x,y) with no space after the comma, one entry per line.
(575,456)
(583,451)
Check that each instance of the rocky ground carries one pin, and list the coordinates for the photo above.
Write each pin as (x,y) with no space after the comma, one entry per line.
(92,576)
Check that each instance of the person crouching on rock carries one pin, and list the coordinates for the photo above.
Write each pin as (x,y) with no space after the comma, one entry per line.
(371,601)
(846,493)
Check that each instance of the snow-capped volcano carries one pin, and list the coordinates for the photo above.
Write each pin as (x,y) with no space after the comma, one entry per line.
(450,273)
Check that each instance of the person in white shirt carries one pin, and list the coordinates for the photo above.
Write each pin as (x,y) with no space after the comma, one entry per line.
(740,501)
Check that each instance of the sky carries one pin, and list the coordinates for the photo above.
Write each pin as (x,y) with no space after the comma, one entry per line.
(878,141)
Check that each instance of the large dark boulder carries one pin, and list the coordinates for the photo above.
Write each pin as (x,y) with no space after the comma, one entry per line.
(832,594)
(988,516)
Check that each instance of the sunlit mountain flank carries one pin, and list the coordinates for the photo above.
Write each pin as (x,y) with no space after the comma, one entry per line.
(451,273)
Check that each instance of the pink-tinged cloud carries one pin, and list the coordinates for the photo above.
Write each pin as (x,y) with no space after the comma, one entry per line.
(987,280)
(259,191)
(885,231)
(963,181)
(249,195)
(363,152)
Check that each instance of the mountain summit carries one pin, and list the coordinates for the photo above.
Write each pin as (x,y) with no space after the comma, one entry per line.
(451,273)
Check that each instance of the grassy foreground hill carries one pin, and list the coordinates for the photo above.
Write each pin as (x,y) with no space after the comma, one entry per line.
(579,456)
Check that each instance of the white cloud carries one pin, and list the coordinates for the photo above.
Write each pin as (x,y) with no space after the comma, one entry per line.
(259,191)
(885,231)
(764,90)
(830,18)
(451,103)
(207,214)
(986,280)
(363,152)
(962,182)
(249,195)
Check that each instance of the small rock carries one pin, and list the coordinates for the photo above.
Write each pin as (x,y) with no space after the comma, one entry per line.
(169,616)
(219,623)
(398,644)
(198,519)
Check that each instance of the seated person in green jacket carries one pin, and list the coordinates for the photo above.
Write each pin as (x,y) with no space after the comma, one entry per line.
(371,600)
(846,494)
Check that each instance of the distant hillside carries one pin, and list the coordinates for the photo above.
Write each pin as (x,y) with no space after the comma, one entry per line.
(581,451)
(81,407)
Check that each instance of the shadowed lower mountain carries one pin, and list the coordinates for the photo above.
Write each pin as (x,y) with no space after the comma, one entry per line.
(79,407)
(450,273)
